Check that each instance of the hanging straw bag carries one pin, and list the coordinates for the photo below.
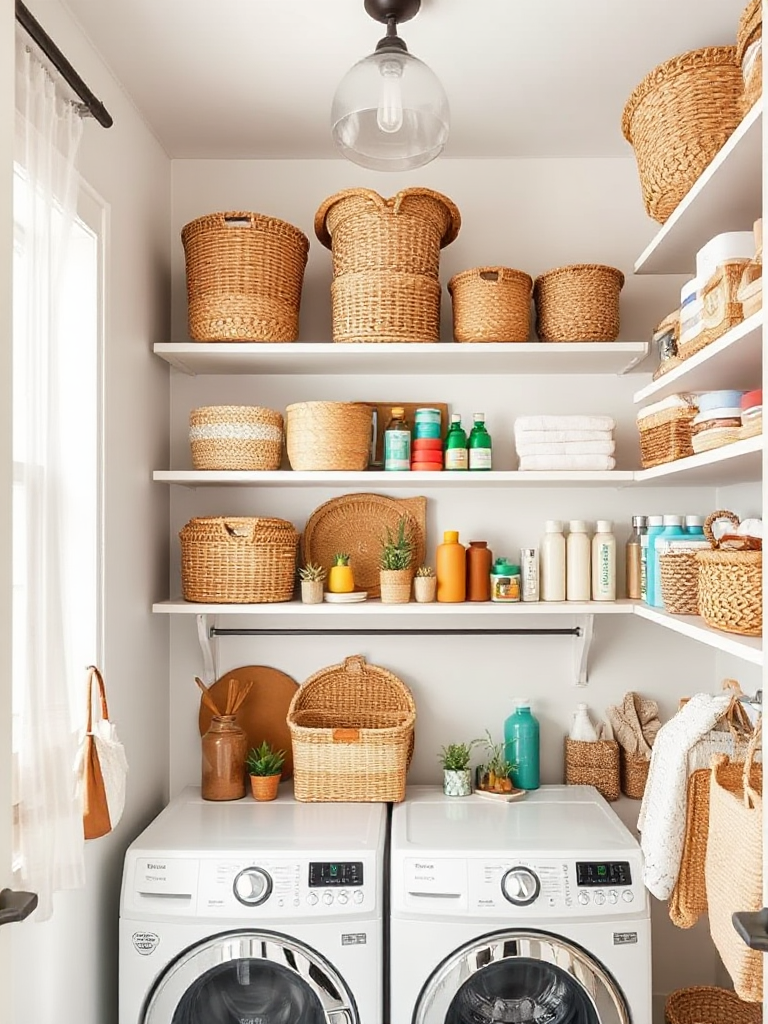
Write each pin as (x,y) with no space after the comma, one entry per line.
(102,766)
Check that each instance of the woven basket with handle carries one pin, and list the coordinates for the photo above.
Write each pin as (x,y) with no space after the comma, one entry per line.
(705,1004)
(730,584)
(491,304)
(578,303)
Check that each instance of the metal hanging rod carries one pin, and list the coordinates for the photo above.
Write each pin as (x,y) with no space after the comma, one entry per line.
(363,631)
(93,106)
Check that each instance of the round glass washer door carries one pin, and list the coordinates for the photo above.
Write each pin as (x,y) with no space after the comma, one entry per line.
(249,977)
(516,977)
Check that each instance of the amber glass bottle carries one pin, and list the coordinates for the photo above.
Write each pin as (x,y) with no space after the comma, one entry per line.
(479,562)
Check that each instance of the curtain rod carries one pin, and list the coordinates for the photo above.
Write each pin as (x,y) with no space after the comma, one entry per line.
(37,33)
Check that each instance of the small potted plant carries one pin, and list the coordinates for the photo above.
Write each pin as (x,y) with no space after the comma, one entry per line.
(425,584)
(395,573)
(312,578)
(457,775)
(493,775)
(265,767)
(341,579)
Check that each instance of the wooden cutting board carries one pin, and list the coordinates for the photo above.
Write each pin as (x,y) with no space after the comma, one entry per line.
(263,714)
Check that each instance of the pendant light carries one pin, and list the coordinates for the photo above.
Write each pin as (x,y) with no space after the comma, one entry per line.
(390,112)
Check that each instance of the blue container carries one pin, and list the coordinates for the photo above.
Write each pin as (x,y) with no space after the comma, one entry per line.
(431,430)
(694,527)
(521,746)
(719,400)
(654,529)
(427,416)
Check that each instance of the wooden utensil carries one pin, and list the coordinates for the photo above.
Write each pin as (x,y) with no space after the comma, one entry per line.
(207,700)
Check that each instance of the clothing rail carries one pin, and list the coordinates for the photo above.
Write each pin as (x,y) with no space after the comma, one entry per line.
(91,105)
(363,631)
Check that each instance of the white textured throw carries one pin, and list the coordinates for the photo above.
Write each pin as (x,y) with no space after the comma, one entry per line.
(573,462)
(545,436)
(564,423)
(567,448)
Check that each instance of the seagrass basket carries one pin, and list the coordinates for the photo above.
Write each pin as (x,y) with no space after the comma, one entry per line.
(491,304)
(593,764)
(679,579)
(749,53)
(633,770)
(730,584)
(352,729)
(678,118)
(238,560)
(245,273)
(666,436)
(328,435)
(578,303)
(235,437)
(385,306)
(705,1004)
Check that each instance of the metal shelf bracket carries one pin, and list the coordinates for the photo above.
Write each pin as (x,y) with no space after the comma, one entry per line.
(581,648)
(209,647)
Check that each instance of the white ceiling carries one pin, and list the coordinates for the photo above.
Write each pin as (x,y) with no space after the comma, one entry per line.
(255,78)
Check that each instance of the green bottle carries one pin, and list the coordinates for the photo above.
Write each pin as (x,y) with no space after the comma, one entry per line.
(479,444)
(456,456)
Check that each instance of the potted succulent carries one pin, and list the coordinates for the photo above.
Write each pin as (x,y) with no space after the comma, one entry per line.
(493,775)
(265,767)
(341,579)
(457,775)
(425,584)
(395,573)
(312,578)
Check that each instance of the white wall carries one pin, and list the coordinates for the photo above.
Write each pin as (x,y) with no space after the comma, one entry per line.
(77,949)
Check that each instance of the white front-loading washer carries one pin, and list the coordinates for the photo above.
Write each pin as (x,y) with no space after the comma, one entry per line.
(254,913)
(526,912)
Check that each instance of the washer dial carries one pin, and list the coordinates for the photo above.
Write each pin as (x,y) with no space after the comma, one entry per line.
(252,886)
(520,886)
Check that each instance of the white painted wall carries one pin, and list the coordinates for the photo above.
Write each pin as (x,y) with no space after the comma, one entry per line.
(129,170)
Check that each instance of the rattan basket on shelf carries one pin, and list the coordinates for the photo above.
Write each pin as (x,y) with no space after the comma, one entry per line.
(679,578)
(352,729)
(749,53)
(730,584)
(593,764)
(578,303)
(386,306)
(238,437)
(328,435)
(704,1004)
(666,435)
(491,304)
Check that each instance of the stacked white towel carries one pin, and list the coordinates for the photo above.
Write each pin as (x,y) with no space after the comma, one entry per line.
(565,442)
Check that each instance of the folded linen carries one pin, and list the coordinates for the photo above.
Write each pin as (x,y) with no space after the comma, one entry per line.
(539,436)
(572,462)
(564,423)
(673,402)
(567,448)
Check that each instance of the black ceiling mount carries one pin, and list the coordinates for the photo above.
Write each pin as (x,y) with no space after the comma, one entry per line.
(400,10)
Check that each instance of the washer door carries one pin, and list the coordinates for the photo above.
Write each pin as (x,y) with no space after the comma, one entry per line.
(518,977)
(249,977)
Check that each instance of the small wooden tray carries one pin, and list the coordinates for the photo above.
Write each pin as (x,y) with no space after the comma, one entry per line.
(486,794)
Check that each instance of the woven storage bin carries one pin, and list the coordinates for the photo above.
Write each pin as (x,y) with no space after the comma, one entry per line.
(235,437)
(730,585)
(328,435)
(666,436)
(678,118)
(578,303)
(702,1004)
(491,304)
(749,53)
(593,764)
(352,734)
(244,277)
(721,308)
(238,560)
(679,576)
(634,774)
(385,307)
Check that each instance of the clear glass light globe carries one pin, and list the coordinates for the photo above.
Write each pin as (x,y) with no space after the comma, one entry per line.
(390,113)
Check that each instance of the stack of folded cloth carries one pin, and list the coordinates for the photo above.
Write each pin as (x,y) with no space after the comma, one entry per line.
(718,421)
(751,414)
(565,442)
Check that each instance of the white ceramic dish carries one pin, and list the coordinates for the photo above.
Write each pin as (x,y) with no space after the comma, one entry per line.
(516,794)
(354,598)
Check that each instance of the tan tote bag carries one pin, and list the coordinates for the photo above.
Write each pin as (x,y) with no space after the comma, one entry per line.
(102,764)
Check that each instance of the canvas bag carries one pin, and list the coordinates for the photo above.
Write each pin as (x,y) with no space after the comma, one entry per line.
(102,765)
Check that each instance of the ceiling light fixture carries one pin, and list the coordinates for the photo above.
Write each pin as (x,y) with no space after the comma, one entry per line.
(390,112)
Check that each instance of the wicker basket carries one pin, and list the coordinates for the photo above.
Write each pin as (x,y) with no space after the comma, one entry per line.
(666,436)
(395,585)
(721,309)
(491,304)
(593,764)
(703,1004)
(634,774)
(235,437)
(244,277)
(238,560)
(352,734)
(328,435)
(385,306)
(578,303)
(679,577)
(730,585)
(750,34)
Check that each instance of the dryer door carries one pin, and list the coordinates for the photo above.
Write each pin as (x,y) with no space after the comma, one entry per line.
(516,977)
(249,977)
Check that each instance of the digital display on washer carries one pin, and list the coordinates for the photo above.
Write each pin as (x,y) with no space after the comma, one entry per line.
(324,873)
(596,873)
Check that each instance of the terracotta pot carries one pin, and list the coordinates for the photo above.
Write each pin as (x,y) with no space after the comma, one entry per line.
(425,588)
(395,585)
(264,787)
(312,591)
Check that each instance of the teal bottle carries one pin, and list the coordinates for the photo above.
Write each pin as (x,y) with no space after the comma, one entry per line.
(673,529)
(694,527)
(521,745)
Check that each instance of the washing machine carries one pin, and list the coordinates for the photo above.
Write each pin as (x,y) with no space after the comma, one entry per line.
(529,911)
(254,913)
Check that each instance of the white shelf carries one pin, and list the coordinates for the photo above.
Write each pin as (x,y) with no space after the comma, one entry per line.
(376,478)
(745,647)
(737,463)
(400,360)
(409,611)
(733,361)
(727,197)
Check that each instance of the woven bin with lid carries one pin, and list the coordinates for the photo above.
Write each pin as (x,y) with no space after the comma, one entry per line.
(328,435)
(578,303)
(678,118)
(235,437)
(352,728)
(705,1004)
(238,560)
(749,53)
(491,304)
(245,273)
(730,584)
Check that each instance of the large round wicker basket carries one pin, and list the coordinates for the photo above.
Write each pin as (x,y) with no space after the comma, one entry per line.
(235,437)
(578,303)
(730,584)
(491,304)
(678,118)
(704,1004)
(386,306)
(328,435)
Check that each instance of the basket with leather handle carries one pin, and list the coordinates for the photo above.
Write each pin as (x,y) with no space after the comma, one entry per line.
(730,584)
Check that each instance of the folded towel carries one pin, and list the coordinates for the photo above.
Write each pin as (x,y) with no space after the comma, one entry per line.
(572,462)
(673,402)
(635,723)
(539,436)
(564,423)
(567,448)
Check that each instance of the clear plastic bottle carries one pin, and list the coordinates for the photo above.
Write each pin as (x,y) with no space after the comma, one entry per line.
(479,444)
(456,451)
(633,554)
(604,562)
(578,556)
(397,442)
(521,745)
(582,728)
(552,562)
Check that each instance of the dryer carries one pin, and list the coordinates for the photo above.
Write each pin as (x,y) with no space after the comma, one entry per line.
(257,913)
(517,911)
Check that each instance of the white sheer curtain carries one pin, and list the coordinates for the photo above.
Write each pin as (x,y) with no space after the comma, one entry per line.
(48,837)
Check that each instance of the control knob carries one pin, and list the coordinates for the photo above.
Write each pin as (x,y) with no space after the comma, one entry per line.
(520,886)
(252,886)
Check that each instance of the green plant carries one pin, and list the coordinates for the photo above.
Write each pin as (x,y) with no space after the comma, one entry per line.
(455,757)
(425,572)
(341,559)
(494,773)
(397,550)
(263,760)
(311,573)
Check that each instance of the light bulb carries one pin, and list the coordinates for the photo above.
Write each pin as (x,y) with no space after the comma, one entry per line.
(389,115)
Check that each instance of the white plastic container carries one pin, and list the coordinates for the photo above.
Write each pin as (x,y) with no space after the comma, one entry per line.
(529,569)
(731,245)
(578,557)
(552,562)
(604,562)
(581,727)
